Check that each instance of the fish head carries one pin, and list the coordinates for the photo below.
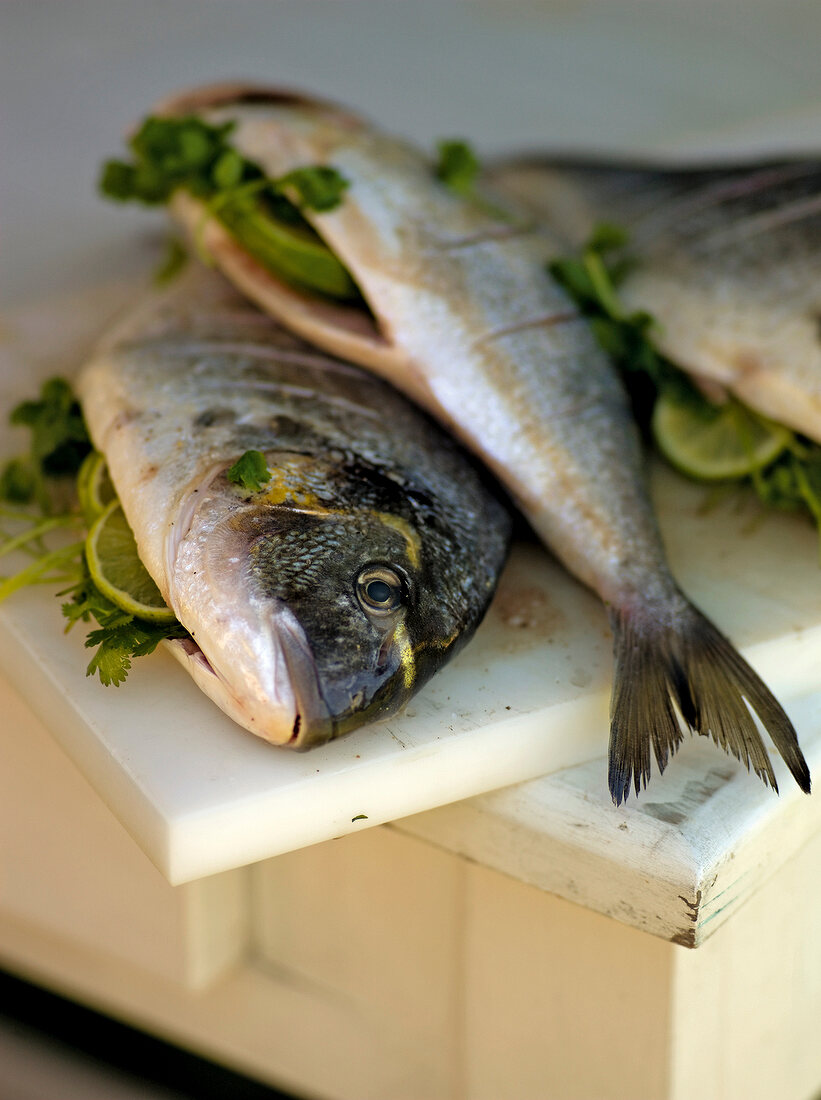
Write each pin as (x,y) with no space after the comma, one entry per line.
(332,595)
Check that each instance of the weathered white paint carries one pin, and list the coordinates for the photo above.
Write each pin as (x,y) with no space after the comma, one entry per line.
(69,868)
(676,862)
(382,968)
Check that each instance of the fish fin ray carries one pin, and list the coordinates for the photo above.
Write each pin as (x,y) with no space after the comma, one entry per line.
(641,713)
(683,662)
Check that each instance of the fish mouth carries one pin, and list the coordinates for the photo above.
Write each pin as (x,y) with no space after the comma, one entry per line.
(313,724)
(290,711)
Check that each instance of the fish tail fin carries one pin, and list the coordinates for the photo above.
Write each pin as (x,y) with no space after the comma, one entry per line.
(683,659)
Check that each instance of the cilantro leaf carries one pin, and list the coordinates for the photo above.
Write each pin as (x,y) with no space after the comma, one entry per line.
(791,481)
(318,187)
(457,166)
(250,471)
(263,214)
(119,636)
(58,444)
(57,427)
(175,259)
(168,153)
(18,481)
(117,645)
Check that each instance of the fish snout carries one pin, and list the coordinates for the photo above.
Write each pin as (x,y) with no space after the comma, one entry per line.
(312,719)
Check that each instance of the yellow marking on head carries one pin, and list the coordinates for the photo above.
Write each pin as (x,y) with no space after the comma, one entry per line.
(407,658)
(411,537)
(287,486)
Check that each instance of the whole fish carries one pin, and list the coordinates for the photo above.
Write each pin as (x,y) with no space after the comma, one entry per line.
(462,316)
(367,560)
(728,263)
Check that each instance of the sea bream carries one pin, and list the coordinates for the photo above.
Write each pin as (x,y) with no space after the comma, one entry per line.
(460,314)
(726,260)
(329,596)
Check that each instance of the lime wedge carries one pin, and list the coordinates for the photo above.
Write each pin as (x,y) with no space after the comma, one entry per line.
(94,486)
(715,442)
(294,252)
(115,567)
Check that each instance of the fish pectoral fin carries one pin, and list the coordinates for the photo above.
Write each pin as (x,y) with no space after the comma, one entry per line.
(694,666)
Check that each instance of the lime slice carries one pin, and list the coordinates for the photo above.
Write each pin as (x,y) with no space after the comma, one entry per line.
(715,442)
(94,486)
(294,252)
(115,567)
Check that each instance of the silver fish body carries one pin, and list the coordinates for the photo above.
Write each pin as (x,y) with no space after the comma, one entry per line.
(727,262)
(332,594)
(464,318)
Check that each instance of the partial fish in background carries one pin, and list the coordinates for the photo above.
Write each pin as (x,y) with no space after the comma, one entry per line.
(728,263)
(460,315)
(367,559)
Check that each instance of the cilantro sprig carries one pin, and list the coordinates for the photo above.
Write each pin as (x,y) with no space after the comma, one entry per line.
(31,527)
(250,471)
(265,215)
(792,481)
(58,443)
(119,636)
(457,166)
(169,153)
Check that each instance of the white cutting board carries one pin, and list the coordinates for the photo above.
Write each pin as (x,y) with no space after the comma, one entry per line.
(530,693)
(528,696)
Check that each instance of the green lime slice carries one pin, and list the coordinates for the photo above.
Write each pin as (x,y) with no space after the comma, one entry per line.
(294,252)
(715,442)
(94,486)
(115,567)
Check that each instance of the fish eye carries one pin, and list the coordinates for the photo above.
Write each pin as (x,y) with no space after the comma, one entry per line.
(379,589)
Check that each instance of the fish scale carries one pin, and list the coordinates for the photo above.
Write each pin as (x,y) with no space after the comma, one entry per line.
(464,319)
(272,585)
(727,264)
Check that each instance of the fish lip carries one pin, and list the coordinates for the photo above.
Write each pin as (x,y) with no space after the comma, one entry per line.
(313,722)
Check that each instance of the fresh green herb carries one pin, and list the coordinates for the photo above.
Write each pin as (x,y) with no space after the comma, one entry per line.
(58,444)
(792,480)
(264,215)
(457,166)
(250,471)
(359,817)
(168,154)
(318,187)
(172,264)
(23,531)
(119,637)
(30,526)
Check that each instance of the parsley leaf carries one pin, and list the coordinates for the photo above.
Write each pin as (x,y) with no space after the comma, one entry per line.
(318,187)
(59,441)
(264,215)
(175,259)
(117,645)
(58,444)
(457,166)
(119,636)
(791,481)
(250,471)
(168,153)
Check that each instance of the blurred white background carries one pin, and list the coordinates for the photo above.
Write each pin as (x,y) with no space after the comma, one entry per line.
(505,73)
